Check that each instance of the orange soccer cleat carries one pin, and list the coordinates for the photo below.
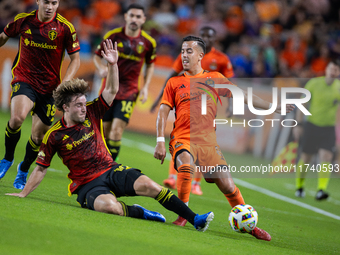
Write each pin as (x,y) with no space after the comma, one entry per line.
(260,234)
(180,221)
(170,183)
(196,189)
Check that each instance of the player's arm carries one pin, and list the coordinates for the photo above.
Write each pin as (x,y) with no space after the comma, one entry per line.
(73,66)
(143,95)
(262,104)
(110,54)
(162,117)
(3,39)
(159,97)
(33,182)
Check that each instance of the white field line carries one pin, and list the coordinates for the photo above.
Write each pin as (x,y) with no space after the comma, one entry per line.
(150,149)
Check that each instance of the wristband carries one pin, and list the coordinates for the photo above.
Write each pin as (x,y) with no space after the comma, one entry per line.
(160,139)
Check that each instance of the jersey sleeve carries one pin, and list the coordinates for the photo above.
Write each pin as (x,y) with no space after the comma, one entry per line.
(13,28)
(177,65)
(227,69)
(97,108)
(47,150)
(224,92)
(71,39)
(151,55)
(169,95)
(309,85)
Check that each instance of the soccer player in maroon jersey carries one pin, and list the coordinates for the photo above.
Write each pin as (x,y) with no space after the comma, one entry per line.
(44,37)
(95,177)
(135,47)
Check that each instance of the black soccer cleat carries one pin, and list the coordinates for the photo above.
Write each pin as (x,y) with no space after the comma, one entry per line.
(321,195)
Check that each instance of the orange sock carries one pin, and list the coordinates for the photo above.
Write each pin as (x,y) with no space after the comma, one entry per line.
(184,177)
(172,170)
(235,198)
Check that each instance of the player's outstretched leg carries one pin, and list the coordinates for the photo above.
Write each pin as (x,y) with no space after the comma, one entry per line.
(261,234)
(202,221)
(150,215)
(171,202)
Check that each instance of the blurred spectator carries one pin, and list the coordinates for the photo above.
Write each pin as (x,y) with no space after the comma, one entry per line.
(320,61)
(294,54)
(165,17)
(303,34)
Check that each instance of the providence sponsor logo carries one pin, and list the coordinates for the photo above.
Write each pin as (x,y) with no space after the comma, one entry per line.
(40,45)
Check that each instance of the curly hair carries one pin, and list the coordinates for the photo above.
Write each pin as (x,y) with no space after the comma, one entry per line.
(197,39)
(65,92)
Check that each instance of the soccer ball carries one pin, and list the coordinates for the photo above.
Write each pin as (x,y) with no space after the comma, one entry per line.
(243,218)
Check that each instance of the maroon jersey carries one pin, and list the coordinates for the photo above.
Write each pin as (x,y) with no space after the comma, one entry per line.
(133,51)
(41,49)
(81,147)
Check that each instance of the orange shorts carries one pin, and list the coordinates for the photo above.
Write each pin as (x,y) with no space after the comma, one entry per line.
(203,155)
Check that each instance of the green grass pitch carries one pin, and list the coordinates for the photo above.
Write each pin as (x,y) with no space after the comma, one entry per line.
(50,222)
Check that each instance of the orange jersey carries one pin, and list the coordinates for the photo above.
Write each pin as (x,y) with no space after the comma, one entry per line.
(214,61)
(185,94)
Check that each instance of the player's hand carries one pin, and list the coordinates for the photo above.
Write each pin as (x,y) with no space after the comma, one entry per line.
(110,52)
(160,151)
(289,108)
(143,95)
(15,194)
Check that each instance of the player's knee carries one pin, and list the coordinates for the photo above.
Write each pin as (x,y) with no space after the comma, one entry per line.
(109,207)
(37,139)
(16,121)
(147,187)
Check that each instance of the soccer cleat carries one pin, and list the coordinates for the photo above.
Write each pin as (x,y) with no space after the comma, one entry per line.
(180,221)
(320,195)
(4,166)
(201,222)
(196,190)
(170,183)
(20,180)
(300,193)
(150,215)
(260,234)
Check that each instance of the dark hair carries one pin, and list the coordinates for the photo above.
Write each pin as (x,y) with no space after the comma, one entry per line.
(135,6)
(336,61)
(208,28)
(197,39)
(65,92)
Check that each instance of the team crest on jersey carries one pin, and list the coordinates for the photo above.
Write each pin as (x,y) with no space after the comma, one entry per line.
(52,34)
(87,123)
(140,48)
(69,146)
(15,87)
(27,42)
(210,82)
(74,36)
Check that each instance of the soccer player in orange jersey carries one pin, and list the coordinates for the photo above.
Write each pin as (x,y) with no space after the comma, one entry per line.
(193,139)
(213,60)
